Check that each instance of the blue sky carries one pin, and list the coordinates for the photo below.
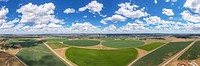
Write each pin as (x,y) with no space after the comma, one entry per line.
(99,16)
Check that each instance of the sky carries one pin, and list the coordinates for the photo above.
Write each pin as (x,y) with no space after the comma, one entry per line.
(99,16)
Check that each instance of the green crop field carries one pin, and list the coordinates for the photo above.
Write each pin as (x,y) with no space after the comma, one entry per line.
(37,54)
(192,53)
(122,43)
(54,40)
(151,46)
(158,56)
(23,42)
(56,45)
(94,57)
(82,42)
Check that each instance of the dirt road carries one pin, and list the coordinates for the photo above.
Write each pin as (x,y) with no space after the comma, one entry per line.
(68,63)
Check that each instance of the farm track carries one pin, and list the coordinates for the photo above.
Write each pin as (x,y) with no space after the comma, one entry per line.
(177,55)
(67,62)
(101,46)
(16,56)
(20,61)
(146,54)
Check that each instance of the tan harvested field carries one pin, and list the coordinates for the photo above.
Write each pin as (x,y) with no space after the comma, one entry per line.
(186,62)
(198,61)
(141,52)
(13,51)
(61,52)
(9,60)
(173,39)
(168,39)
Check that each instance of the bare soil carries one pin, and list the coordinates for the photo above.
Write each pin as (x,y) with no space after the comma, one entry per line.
(173,39)
(141,52)
(8,60)
(61,52)
(198,61)
(185,62)
(13,51)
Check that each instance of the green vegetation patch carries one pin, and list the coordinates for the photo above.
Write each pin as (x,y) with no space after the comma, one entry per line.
(39,55)
(23,42)
(122,43)
(55,40)
(56,45)
(94,57)
(82,42)
(160,55)
(192,53)
(151,46)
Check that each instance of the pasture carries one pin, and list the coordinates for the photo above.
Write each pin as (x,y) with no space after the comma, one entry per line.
(160,55)
(81,42)
(35,53)
(151,46)
(54,40)
(95,57)
(122,43)
(56,45)
(192,53)
(23,42)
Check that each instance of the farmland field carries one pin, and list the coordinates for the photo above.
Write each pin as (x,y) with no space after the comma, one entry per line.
(56,45)
(54,40)
(23,42)
(192,53)
(94,57)
(151,46)
(122,43)
(7,59)
(82,42)
(35,53)
(158,56)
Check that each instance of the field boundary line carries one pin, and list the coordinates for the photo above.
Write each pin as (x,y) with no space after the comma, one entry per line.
(68,63)
(146,54)
(177,55)
(20,61)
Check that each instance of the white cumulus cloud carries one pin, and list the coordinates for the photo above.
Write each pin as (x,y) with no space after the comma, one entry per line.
(93,7)
(155,1)
(69,10)
(186,15)
(3,12)
(130,11)
(193,5)
(110,28)
(38,14)
(168,12)
(171,0)
(4,0)
(83,27)
(114,18)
